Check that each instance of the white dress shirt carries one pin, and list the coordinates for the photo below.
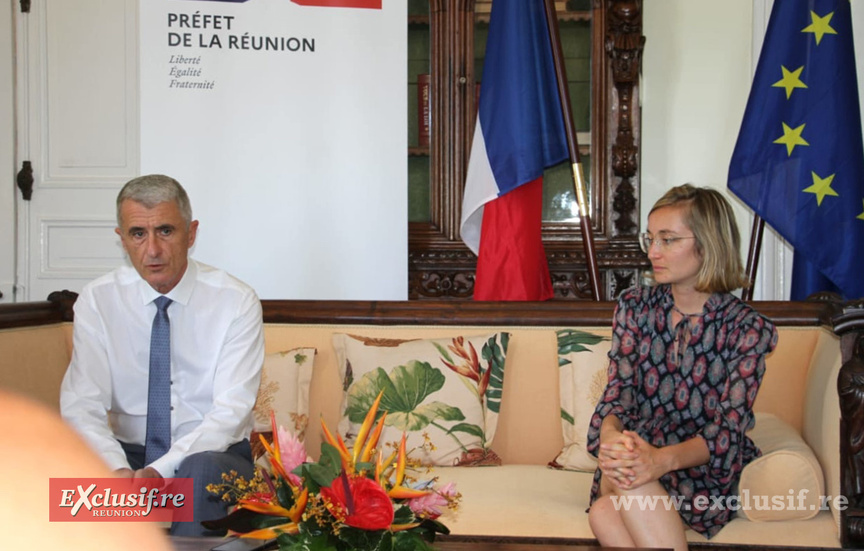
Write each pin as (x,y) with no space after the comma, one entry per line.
(217,352)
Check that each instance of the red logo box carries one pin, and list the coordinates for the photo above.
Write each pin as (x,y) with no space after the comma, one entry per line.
(369,4)
(120,500)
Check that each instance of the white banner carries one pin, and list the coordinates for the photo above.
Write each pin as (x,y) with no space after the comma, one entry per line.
(286,123)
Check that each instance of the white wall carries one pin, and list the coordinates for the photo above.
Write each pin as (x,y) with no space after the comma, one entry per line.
(696,75)
(7,152)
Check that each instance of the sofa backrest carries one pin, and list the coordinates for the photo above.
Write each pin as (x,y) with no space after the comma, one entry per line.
(34,359)
(799,385)
(529,426)
(529,429)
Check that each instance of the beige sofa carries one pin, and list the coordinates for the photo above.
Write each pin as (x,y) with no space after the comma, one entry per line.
(523,498)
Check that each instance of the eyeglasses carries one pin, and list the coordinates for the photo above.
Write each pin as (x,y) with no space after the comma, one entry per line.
(646,240)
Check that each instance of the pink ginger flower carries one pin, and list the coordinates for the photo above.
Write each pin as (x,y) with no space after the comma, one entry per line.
(292,453)
(430,505)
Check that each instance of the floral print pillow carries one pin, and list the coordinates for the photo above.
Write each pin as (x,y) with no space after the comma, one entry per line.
(445,394)
(284,390)
(583,359)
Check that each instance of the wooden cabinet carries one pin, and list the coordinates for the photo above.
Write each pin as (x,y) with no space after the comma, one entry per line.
(602,43)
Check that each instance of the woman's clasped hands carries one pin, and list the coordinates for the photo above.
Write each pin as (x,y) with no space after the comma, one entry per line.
(628,461)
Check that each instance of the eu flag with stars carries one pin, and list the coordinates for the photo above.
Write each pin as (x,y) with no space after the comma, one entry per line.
(799,159)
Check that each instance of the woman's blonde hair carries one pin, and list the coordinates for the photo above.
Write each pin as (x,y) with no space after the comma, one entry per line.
(709,216)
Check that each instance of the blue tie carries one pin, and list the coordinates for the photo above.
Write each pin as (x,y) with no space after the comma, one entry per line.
(158,438)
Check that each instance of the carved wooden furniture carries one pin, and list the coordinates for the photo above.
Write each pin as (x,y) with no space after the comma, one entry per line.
(847,320)
(850,385)
(440,266)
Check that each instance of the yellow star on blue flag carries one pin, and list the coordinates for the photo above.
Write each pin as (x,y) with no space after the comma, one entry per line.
(799,159)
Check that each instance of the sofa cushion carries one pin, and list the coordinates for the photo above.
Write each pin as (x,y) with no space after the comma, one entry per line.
(582,369)
(284,390)
(444,393)
(786,482)
(531,501)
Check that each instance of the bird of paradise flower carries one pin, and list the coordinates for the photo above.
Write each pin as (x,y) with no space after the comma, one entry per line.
(486,380)
(406,388)
(352,498)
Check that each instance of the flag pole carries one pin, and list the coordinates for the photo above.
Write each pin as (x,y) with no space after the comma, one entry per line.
(753,255)
(573,146)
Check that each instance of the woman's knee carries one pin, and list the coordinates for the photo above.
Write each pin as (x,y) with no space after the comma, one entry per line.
(602,514)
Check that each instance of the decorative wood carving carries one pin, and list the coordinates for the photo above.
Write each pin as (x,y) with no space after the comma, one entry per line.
(624,45)
(622,280)
(445,284)
(850,387)
(63,301)
(572,285)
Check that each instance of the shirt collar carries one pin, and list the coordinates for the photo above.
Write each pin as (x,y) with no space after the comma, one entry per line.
(715,302)
(182,292)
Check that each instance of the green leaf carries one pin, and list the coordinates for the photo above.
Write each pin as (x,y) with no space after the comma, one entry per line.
(386,542)
(367,540)
(574,340)
(284,494)
(567,417)
(467,428)
(405,388)
(410,540)
(324,471)
(493,354)
(304,541)
(413,383)
(423,416)
(432,526)
(403,515)
(444,352)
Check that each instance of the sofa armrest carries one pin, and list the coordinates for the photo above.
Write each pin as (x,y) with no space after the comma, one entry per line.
(57,309)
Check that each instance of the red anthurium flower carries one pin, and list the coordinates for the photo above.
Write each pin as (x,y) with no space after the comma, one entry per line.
(363,502)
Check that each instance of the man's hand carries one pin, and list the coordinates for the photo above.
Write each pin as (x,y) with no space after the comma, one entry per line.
(147,472)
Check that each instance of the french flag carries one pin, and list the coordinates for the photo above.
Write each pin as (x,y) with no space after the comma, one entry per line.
(519,132)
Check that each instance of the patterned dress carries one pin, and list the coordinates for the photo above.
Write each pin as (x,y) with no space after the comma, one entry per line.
(669,384)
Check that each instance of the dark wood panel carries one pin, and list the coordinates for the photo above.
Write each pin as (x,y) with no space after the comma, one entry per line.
(549,313)
(57,309)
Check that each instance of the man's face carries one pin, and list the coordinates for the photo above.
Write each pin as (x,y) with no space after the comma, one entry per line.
(157,241)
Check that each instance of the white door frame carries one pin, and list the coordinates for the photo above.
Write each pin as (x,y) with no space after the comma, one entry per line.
(9,192)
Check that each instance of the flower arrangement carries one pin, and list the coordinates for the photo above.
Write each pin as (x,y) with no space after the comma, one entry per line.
(352,498)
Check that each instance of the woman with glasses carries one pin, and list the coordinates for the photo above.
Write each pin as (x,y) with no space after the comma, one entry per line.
(686,361)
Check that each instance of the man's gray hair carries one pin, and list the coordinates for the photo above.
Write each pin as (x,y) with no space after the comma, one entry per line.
(152,189)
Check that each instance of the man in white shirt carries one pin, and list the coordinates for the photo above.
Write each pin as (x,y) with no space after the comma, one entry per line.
(216,352)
